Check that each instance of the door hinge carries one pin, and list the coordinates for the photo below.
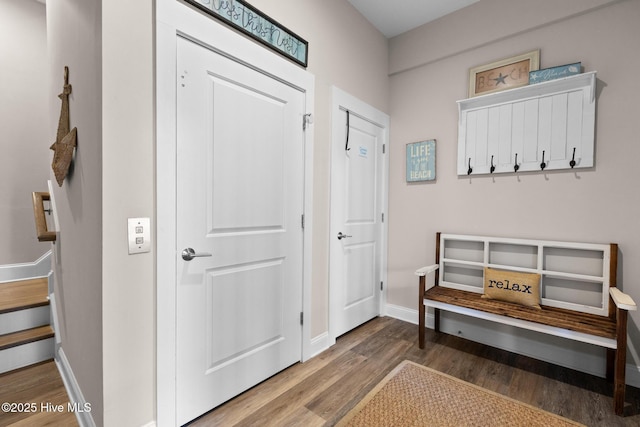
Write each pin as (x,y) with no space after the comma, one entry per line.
(306,120)
(301,318)
(384,148)
(382,216)
(381,285)
(302,221)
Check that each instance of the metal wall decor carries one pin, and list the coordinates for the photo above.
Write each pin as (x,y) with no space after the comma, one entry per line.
(250,21)
(66,139)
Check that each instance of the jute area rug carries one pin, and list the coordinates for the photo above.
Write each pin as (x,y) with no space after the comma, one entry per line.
(414,395)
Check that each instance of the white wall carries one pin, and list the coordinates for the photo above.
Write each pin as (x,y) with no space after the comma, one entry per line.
(24,139)
(128,159)
(429,76)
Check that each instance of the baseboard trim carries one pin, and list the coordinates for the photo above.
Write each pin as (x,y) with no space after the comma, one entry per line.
(319,344)
(411,316)
(405,314)
(73,390)
(28,270)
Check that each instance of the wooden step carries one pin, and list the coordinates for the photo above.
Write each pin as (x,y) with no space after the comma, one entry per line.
(24,337)
(40,383)
(23,294)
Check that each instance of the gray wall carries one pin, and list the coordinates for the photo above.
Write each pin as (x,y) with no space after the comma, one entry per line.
(429,69)
(74,36)
(24,127)
(345,50)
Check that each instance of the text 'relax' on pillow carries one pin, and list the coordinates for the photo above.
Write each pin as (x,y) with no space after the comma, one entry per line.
(512,286)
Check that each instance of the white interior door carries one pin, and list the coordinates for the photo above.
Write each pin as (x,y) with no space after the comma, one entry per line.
(356,239)
(240,184)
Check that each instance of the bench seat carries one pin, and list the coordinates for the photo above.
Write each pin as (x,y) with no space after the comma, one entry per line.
(571,320)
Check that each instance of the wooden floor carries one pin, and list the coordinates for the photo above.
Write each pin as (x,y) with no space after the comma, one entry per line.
(38,397)
(320,391)
(323,389)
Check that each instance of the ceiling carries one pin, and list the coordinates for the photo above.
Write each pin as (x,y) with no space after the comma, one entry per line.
(393,17)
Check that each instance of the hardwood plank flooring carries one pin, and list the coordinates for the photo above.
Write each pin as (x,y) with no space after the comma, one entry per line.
(322,390)
(36,385)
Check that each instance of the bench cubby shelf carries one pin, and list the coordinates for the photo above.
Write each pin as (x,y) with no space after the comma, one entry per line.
(574,276)
(550,123)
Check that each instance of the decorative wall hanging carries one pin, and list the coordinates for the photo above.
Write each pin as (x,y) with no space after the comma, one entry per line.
(66,139)
(553,73)
(504,74)
(250,21)
(421,161)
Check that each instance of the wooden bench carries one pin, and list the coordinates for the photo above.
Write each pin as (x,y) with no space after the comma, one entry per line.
(577,286)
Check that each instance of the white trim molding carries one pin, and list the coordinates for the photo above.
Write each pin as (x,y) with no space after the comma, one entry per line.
(341,101)
(83,412)
(319,344)
(28,270)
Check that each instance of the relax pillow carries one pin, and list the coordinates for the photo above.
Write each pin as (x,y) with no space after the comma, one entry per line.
(512,286)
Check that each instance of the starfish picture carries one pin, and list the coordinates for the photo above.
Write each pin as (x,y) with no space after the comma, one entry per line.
(66,140)
(500,79)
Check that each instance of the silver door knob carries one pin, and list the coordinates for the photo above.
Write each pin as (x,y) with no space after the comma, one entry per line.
(189,254)
(342,236)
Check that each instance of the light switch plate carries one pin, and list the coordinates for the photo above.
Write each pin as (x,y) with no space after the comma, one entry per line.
(139,235)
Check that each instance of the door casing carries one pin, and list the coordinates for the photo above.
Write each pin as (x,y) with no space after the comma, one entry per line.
(342,101)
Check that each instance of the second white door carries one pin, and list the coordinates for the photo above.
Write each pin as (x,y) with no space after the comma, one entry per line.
(357,202)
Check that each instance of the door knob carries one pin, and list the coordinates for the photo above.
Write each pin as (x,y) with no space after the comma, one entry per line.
(189,254)
(342,236)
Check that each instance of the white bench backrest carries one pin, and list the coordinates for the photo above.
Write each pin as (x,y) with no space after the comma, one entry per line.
(575,276)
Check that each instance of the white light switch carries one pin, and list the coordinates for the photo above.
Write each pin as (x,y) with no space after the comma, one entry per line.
(139,235)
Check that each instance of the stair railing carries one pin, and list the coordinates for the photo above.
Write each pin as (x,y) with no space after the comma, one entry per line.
(44,235)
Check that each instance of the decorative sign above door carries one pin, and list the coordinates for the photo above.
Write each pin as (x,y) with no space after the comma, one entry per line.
(249,20)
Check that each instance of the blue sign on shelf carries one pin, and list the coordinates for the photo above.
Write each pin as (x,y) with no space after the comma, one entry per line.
(553,73)
(421,161)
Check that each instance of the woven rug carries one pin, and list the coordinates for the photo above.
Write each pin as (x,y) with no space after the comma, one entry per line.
(414,395)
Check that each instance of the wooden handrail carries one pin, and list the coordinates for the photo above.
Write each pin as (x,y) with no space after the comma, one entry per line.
(44,235)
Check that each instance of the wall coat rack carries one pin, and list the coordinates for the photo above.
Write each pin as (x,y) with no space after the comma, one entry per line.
(541,127)
(66,139)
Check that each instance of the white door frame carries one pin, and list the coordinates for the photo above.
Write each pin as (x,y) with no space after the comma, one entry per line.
(342,101)
(175,19)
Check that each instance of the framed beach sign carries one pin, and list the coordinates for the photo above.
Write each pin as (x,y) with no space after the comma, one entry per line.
(503,74)
(421,161)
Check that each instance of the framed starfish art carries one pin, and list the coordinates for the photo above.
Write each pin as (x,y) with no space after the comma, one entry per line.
(503,74)
(66,138)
